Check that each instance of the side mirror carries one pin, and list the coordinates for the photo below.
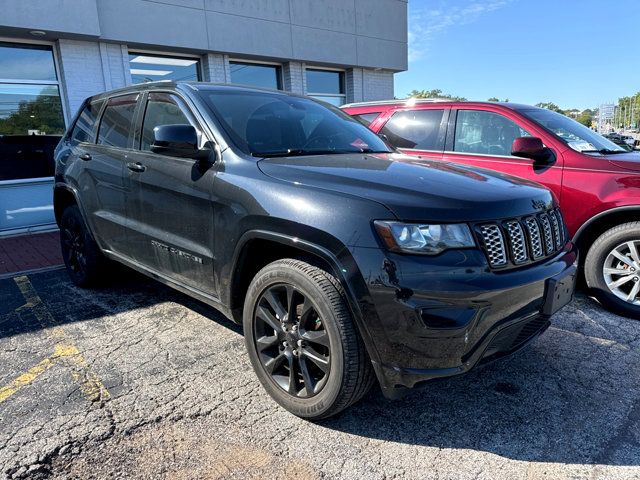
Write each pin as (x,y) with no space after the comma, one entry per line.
(177,141)
(533,148)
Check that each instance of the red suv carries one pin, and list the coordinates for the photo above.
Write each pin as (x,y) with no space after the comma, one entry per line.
(596,181)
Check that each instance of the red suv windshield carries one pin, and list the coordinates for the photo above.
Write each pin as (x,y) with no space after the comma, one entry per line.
(574,134)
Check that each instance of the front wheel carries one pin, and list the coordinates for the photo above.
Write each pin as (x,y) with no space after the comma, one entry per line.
(302,342)
(612,269)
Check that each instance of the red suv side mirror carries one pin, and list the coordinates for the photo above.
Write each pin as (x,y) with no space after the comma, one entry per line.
(533,148)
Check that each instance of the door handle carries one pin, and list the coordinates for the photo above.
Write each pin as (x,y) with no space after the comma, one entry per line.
(85,156)
(136,167)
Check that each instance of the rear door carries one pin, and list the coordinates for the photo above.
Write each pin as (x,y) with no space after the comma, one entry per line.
(101,180)
(170,208)
(418,131)
(484,138)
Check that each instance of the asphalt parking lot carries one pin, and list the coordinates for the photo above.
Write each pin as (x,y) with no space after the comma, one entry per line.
(139,381)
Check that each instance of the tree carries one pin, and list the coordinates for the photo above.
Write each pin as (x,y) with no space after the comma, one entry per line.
(628,111)
(550,106)
(435,93)
(496,99)
(585,118)
(44,113)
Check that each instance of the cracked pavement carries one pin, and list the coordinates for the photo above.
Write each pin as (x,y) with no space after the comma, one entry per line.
(183,402)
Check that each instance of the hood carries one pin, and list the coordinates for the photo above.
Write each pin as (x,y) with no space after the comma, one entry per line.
(415,189)
(628,161)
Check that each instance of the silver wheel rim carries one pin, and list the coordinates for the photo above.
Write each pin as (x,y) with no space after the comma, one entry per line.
(621,271)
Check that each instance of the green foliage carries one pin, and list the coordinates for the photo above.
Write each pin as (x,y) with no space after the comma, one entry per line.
(435,93)
(43,114)
(628,111)
(585,118)
(550,106)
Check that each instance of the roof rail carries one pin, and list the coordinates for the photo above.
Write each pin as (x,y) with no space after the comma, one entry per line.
(406,101)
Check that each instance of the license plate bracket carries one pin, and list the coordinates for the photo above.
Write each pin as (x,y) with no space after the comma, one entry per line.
(559,291)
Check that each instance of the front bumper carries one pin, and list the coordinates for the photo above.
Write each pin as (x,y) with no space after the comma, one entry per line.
(433,317)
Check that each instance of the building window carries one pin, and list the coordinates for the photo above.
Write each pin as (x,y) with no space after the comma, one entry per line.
(150,68)
(31,117)
(256,75)
(326,85)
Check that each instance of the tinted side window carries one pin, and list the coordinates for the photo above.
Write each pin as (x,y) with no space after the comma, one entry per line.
(117,121)
(84,128)
(417,129)
(162,109)
(485,133)
(367,118)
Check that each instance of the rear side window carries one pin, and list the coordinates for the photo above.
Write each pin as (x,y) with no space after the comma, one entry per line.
(485,133)
(415,129)
(162,109)
(117,121)
(367,118)
(84,128)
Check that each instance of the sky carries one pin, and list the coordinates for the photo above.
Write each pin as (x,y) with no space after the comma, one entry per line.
(574,53)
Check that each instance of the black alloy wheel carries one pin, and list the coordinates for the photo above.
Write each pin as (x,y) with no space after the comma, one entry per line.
(73,246)
(86,265)
(302,340)
(291,340)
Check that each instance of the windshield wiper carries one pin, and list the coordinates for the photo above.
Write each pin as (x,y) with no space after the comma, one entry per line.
(298,152)
(605,151)
(371,150)
(290,152)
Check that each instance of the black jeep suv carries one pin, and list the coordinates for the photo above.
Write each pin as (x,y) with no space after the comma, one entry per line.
(345,262)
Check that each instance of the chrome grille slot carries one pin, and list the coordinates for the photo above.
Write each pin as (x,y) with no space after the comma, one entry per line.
(516,242)
(533,229)
(494,245)
(563,234)
(556,229)
(546,233)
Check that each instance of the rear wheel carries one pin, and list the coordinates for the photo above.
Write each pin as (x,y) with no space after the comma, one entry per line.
(85,263)
(302,342)
(612,269)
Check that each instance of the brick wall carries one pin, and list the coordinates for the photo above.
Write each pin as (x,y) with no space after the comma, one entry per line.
(377,85)
(87,68)
(80,70)
(294,78)
(215,68)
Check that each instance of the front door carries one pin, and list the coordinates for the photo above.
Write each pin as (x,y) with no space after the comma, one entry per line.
(484,139)
(170,210)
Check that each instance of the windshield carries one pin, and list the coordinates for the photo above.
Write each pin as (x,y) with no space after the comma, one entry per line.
(271,124)
(574,134)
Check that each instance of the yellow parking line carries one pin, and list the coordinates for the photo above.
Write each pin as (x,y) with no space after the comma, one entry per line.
(88,381)
(25,379)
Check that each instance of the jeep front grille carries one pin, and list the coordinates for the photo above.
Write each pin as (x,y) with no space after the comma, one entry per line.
(494,245)
(518,241)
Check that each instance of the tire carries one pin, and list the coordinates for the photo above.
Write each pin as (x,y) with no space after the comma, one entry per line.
(601,284)
(85,263)
(326,330)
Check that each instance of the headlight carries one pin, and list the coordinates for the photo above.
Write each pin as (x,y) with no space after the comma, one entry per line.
(424,239)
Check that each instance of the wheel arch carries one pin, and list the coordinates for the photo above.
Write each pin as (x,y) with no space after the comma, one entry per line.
(65,195)
(257,248)
(600,223)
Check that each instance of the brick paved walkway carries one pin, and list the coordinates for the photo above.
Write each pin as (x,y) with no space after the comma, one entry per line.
(29,252)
